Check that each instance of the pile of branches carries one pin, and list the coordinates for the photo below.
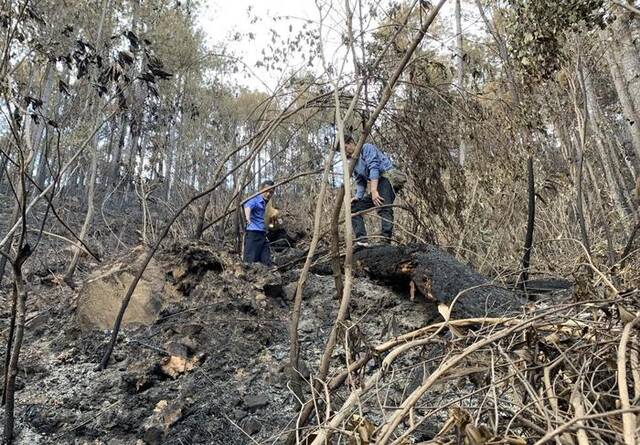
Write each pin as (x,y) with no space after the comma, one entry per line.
(565,373)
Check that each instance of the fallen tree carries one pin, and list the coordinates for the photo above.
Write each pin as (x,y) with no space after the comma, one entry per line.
(431,272)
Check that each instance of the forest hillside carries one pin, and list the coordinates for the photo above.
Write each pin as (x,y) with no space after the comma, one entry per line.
(407,222)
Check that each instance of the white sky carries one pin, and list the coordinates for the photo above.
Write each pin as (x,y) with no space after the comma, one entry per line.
(221,19)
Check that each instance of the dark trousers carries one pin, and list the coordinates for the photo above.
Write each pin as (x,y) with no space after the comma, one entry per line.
(256,248)
(385,213)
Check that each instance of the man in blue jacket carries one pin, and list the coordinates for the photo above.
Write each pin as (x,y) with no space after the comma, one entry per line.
(370,168)
(256,245)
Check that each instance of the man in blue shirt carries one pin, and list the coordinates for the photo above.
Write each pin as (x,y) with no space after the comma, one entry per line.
(256,245)
(370,168)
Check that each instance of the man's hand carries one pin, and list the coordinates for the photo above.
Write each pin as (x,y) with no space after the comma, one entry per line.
(354,199)
(376,198)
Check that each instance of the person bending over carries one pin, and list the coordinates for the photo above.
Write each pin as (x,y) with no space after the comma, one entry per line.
(371,168)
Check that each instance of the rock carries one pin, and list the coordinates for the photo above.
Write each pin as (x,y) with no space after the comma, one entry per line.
(177,349)
(251,426)
(239,414)
(294,258)
(290,276)
(153,434)
(273,290)
(135,382)
(101,294)
(254,402)
(289,291)
(269,282)
(307,325)
(45,421)
(182,347)
(189,343)
(157,425)
(282,240)
(175,366)
(313,285)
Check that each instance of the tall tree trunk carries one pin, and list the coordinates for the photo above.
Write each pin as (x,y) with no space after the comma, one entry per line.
(627,54)
(141,154)
(626,102)
(21,192)
(169,175)
(616,190)
(15,214)
(68,277)
(20,292)
(259,166)
(531,219)
(502,51)
(582,117)
(3,169)
(579,200)
(294,349)
(12,372)
(41,169)
(133,149)
(116,159)
(459,78)
(137,116)
(202,213)
(10,335)
(604,220)
(459,57)
(104,173)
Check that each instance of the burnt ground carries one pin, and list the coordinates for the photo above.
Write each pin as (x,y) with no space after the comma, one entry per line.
(211,368)
(233,324)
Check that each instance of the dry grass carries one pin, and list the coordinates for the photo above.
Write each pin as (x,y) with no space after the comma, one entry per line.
(565,373)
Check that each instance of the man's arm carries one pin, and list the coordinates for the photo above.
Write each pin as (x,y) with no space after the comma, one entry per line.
(370,157)
(247,211)
(374,186)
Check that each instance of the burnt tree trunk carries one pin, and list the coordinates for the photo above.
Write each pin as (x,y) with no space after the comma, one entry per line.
(18,334)
(7,356)
(531,219)
(437,276)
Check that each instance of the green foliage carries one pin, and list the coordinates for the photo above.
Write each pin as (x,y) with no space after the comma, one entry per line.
(538,28)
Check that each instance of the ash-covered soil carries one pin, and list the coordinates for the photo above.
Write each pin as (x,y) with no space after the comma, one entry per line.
(210,368)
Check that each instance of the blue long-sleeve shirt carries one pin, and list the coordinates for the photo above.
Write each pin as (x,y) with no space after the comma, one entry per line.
(371,163)
(257,204)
